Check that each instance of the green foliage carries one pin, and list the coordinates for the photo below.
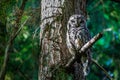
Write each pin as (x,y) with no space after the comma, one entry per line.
(61,74)
(103,15)
(23,61)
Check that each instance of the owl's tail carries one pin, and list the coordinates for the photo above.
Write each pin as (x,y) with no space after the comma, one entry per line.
(78,71)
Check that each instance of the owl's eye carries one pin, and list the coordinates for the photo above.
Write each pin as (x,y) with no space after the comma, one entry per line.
(72,21)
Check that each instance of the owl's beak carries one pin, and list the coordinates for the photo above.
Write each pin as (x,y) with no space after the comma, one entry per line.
(77,25)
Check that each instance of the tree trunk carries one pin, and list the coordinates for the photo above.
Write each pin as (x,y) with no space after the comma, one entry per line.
(54,53)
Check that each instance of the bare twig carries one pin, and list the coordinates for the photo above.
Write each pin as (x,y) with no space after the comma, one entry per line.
(85,48)
(12,38)
(6,57)
(106,73)
(10,42)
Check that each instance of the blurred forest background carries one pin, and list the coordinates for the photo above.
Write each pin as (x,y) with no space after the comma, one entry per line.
(103,15)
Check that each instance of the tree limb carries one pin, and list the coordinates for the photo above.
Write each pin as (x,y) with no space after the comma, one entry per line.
(86,47)
(6,57)
(10,42)
(106,73)
(91,42)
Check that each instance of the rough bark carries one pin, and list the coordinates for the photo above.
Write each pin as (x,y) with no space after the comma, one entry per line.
(54,17)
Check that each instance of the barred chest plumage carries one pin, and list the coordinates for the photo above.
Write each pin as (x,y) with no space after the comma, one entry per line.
(76,37)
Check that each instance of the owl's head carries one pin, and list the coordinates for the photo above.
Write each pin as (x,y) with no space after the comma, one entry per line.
(76,21)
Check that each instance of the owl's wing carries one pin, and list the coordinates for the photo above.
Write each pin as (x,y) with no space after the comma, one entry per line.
(82,37)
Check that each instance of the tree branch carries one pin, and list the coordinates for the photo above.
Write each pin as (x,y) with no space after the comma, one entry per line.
(86,47)
(6,57)
(106,73)
(91,42)
(10,42)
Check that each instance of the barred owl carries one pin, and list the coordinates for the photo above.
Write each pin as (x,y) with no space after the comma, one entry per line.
(77,36)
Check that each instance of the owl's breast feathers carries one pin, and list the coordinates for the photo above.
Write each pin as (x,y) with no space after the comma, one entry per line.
(78,37)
